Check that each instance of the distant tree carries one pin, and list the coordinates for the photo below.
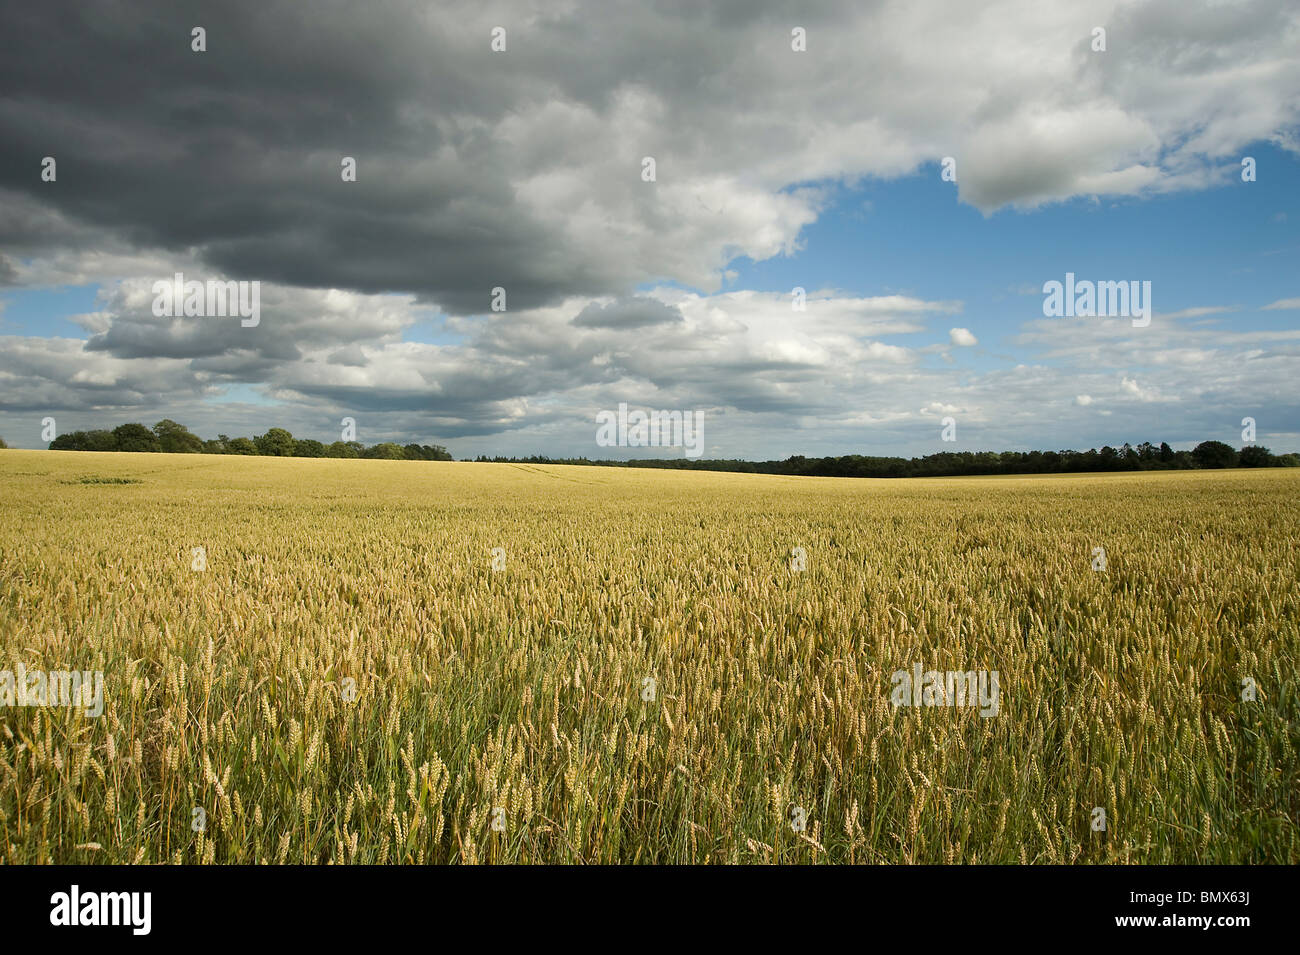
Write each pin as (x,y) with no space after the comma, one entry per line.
(1214,454)
(343,449)
(175,438)
(135,437)
(307,448)
(100,440)
(1255,456)
(385,450)
(1166,453)
(240,446)
(214,446)
(426,452)
(276,442)
(3,446)
(1287,460)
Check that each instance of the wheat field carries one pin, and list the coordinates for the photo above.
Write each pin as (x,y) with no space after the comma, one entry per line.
(420,662)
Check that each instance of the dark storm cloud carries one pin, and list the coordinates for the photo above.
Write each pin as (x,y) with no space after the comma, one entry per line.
(353,356)
(237,151)
(629,313)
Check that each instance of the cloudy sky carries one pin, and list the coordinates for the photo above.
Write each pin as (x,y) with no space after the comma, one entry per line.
(774,168)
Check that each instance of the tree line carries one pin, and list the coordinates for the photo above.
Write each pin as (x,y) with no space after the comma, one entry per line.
(171,437)
(1144,457)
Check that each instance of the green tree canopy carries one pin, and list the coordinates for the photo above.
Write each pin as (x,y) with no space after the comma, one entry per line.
(1214,454)
(276,442)
(386,450)
(175,438)
(135,437)
(99,440)
(1255,456)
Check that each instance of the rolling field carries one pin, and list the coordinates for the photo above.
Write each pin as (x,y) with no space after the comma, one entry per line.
(385,662)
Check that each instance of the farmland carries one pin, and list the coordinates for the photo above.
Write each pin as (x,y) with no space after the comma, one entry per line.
(428,662)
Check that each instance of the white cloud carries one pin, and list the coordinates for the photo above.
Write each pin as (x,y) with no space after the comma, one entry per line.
(1200,310)
(940,408)
(1130,386)
(962,337)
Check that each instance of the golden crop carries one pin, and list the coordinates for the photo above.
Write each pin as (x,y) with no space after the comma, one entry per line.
(644,678)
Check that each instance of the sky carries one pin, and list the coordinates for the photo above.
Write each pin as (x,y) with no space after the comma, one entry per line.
(919,170)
